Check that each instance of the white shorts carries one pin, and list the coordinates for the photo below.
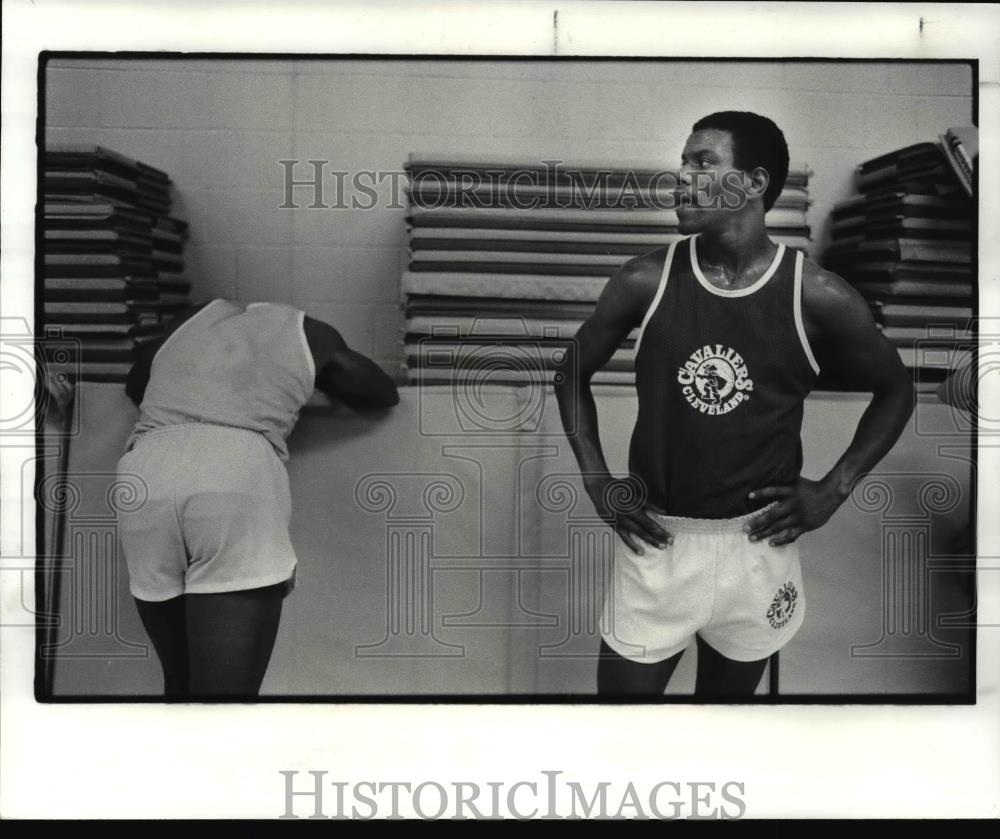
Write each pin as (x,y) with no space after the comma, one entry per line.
(743,598)
(216,517)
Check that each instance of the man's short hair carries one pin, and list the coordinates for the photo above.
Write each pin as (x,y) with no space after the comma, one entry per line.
(757,141)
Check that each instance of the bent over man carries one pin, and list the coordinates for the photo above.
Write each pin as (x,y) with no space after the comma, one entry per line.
(209,554)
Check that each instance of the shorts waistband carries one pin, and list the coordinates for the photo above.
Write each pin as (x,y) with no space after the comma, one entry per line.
(682,524)
(206,427)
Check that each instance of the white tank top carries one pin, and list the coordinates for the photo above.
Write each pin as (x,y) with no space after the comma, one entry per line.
(247,368)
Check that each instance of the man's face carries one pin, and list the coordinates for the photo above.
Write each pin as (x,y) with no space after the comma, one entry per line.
(710,187)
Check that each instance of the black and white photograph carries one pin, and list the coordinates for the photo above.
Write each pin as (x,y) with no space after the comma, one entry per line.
(557,389)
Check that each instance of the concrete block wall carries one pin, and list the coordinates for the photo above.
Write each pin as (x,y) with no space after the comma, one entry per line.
(220,128)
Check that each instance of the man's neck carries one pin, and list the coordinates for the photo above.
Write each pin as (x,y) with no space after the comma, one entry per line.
(736,256)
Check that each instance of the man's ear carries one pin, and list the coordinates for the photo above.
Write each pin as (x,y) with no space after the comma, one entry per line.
(758,181)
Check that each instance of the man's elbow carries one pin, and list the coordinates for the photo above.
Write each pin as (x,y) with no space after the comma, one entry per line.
(385,391)
(899,390)
(566,390)
(382,396)
(391,396)
(569,377)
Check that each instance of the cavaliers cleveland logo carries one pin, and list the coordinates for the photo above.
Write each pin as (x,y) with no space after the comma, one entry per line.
(783,605)
(715,380)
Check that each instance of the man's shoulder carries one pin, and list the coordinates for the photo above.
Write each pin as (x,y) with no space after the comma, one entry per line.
(831,303)
(641,274)
(823,288)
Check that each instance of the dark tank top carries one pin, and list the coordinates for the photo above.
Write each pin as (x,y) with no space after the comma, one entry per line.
(721,377)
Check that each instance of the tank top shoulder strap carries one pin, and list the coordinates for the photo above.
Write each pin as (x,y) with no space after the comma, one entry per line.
(797,309)
(658,297)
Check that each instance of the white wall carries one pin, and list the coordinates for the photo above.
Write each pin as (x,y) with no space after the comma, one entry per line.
(220,127)
(342,600)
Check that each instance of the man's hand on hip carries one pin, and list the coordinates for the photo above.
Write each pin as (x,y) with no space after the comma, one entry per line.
(622,503)
(804,506)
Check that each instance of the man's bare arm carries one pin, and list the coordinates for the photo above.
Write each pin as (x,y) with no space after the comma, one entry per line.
(346,375)
(619,310)
(844,334)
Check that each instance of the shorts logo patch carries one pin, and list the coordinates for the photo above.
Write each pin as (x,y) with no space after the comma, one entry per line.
(715,380)
(783,605)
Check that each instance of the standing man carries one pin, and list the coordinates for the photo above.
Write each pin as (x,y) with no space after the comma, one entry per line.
(209,554)
(733,329)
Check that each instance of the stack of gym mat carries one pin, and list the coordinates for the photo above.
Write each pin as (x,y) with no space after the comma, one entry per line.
(507,261)
(905,241)
(112,260)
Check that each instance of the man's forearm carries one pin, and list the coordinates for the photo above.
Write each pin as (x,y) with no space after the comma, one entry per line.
(358,381)
(578,412)
(631,521)
(878,430)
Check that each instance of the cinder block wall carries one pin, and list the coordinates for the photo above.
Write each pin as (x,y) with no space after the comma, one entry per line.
(220,129)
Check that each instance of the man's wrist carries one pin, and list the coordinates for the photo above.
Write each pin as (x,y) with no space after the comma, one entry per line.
(596,481)
(839,484)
